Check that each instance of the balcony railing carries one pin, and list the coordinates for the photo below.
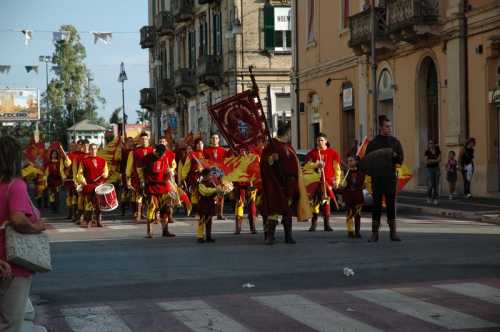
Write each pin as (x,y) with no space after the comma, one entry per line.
(182,10)
(405,16)
(209,70)
(204,2)
(147,100)
(185,82)
(147,36)
(361,28)
(167,91)
(165,23)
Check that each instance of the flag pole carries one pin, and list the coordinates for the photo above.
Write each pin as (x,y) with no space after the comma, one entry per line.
(255,90)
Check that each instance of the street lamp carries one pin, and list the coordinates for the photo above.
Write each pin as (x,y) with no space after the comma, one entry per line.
(157,66)
(47,59)
(122,78)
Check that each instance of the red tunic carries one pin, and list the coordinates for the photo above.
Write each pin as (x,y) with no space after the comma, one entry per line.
(329,156)
(215,153)
(156,174)
(93,167)
(139,154)
(54,178)
(280,180)
(196,158)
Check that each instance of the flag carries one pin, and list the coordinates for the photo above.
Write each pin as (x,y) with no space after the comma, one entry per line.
(105,37)
(404,176)
(362,148)
(241,121)
(111,152)
(28,35)
(31,68)
(4,69)
(58,36)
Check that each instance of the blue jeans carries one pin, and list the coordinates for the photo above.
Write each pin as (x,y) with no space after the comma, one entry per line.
(433,174)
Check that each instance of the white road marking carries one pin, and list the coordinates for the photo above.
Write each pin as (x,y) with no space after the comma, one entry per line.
(199,316)
(475,290)
(123,227)
(70,230)
(92,319)
(425,311)
(311,314)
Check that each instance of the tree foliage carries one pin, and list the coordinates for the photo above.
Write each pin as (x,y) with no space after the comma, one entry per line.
(143,116)
(72,96)
(116,116)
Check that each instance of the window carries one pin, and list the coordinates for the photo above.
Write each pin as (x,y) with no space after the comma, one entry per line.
(192,49)
(217,34)
(310,21)
(203,36)
(277,29)
(345,10)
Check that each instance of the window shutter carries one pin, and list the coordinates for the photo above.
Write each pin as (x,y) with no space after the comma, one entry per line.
(268,27)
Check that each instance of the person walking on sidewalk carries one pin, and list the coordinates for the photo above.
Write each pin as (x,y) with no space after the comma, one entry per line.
(467,164)
(433,155)
(385,179)
(18,211)
(451,173)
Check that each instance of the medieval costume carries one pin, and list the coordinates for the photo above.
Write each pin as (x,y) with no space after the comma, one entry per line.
(133,171)
(217,154)
(55,175)
(208,189)
(352,193)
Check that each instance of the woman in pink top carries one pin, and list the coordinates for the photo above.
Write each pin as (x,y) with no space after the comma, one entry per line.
(16,210)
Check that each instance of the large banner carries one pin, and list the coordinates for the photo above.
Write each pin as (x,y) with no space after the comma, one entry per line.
(241,121)
(19,105)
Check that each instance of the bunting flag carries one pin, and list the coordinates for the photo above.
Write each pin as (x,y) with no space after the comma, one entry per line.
(31,68)
(28,35)
(241,121)
(105,37)
(4,69)
(59,36)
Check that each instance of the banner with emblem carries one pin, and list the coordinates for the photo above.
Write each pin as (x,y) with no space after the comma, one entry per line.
(241,121)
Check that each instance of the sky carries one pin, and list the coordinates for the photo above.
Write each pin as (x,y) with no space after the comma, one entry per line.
(125,16)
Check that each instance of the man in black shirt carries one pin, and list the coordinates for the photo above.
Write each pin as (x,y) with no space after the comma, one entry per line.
(384,179)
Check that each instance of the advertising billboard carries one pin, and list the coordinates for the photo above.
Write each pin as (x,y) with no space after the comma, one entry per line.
(19,105)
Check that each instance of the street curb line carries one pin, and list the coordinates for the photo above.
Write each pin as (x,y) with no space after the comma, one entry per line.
(491,218)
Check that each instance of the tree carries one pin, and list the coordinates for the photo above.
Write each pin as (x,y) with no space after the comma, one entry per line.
(143,116)
(116,116)
(71,95)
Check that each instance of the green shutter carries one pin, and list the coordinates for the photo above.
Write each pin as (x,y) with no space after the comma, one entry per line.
(269,27)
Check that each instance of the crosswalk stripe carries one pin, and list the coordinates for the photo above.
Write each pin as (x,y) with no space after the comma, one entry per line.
(91,319)
(425,311)
(179,223)
(475,290)
(199,316)
(70,230)
(122,227)
(311,314)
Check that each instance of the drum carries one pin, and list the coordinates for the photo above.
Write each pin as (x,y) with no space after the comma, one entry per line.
(106,197)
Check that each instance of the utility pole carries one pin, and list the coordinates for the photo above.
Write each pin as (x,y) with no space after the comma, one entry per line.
(46,59)
(157,66)
(122,78)
(374,67)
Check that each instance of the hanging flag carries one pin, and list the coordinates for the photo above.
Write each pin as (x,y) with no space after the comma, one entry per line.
(241,121)
(28,35)
(58,36)
(105,37)
(4,69)
(31,68)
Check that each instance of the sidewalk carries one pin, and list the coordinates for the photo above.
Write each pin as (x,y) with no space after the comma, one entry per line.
(480,209)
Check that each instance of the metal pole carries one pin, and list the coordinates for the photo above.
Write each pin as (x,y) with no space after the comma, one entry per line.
(374,67)
(47,111)
(157,105)
(123,112)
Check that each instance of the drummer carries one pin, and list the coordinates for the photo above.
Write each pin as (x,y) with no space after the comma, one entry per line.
(92,172)
(134,169)
(157,176)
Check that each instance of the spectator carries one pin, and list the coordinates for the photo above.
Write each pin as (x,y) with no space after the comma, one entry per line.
(451,173)
(433,155)
(16,209)
(467,165)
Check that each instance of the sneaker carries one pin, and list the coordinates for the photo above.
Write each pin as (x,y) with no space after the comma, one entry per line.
(435,202)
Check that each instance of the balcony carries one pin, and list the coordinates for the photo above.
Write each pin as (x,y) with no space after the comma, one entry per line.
(361,30)
(209,70)
(185,82)
(167,91)
(165,23)
(410,20)
(147,100)
(147,36)
(204,2)
(182,10)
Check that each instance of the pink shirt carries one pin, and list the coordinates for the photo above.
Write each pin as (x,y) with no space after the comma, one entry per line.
(15,199)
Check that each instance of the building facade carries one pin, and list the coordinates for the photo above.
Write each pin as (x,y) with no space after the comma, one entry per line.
(437,75)
(200,53)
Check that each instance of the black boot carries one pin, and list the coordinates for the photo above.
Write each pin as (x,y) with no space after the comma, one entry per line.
(326,220)
(270,230)
(314,223)
(357,227)
(149,235)
(375,227)
(251,221)
(237,225)
(208,230)
(288,232)
(392,228)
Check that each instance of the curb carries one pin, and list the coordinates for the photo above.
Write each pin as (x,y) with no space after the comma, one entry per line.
(436,211)
(29,317)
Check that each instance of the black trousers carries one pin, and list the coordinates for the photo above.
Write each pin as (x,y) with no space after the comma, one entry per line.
(390,202)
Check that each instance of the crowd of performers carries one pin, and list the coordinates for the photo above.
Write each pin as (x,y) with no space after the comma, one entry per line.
(154,181)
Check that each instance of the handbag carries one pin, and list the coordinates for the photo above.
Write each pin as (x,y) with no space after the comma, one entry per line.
(31,251)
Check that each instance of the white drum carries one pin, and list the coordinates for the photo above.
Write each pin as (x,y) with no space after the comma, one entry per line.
(106,197)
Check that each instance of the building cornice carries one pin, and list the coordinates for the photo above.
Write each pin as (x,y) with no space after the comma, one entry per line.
(326,68)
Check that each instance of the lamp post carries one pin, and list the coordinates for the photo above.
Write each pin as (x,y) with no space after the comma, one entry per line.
(374,23)
(157,66)
(47,59)
(122,78)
